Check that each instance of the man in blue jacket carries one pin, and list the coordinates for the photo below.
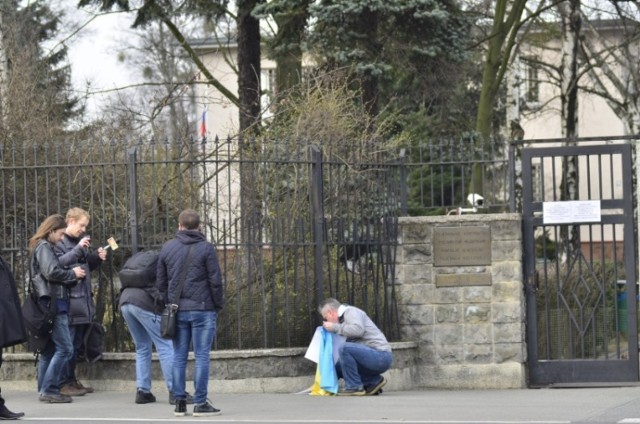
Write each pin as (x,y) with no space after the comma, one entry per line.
(199,302)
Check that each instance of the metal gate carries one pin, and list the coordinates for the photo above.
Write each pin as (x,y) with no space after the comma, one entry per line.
(579,264)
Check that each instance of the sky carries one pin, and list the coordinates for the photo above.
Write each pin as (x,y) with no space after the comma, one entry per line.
(93,51)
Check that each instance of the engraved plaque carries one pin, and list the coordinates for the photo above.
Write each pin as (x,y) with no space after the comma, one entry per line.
(459,280)
(462,246)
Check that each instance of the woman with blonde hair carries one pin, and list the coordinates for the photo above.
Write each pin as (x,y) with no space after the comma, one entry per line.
(51,283)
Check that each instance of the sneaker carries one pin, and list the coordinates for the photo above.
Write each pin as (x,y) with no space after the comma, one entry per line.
(172,399)
(377,388)
(352,392)
(70,389)
(79,385)
(55,398)
(144,397)
(205,410)
(181,408)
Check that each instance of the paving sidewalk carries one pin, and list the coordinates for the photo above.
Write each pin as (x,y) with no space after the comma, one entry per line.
(531,406)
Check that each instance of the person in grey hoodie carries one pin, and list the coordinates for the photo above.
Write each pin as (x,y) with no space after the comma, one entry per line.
(365,355)
(198,304)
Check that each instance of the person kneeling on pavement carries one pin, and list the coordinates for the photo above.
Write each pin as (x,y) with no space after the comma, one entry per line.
(365,355)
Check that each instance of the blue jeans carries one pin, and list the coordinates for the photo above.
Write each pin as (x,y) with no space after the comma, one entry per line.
(144,327)
(55,356)
(76,332)
(198,327)
(361,366)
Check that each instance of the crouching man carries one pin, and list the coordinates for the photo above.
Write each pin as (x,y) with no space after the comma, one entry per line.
(365,355)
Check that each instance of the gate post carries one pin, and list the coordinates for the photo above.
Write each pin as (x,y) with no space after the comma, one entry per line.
(133,198)
(317,215)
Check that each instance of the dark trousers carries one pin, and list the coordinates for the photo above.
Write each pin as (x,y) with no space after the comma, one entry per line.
(1,398)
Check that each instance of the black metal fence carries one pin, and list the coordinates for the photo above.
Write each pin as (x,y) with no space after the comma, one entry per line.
(293,222)
(439,175)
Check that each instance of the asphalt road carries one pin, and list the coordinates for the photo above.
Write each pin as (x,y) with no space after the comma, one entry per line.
(528,406)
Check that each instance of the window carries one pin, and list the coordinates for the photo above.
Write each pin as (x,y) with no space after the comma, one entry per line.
(268,83)
(531,81)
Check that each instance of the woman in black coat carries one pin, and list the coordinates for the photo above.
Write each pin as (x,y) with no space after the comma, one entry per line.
(12,330)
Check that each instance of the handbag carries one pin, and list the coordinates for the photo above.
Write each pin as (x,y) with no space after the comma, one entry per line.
(168,318)
(38,319)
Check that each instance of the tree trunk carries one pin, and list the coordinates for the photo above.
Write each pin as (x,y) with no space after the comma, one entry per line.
(369,79)
(500,45)
(571,24)
(288,48)
(249,109)
(4,74)
(248,67)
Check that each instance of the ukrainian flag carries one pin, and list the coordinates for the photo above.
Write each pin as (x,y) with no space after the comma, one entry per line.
(326,381)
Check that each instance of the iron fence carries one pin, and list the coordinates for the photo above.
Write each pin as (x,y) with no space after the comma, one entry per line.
(293,221)
(439,175)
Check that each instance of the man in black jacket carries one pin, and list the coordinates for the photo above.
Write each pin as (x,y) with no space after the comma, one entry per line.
(191,259)
(12,331)
(73,249)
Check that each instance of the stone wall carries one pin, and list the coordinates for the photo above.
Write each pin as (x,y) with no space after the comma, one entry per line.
(470,335)
(232,371)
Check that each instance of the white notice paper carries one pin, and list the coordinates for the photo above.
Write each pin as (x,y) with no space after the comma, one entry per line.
(571,212)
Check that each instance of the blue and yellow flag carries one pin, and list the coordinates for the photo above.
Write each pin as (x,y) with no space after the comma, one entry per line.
(326,381)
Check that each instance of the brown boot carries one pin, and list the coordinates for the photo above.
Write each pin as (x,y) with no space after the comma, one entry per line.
(70,389)
(78,385)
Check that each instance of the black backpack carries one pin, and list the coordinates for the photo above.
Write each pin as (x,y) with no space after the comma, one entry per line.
(140,270)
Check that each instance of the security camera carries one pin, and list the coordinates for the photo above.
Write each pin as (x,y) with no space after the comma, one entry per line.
(475,200)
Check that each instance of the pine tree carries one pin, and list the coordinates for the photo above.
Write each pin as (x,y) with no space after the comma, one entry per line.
(35,85)
(394,49)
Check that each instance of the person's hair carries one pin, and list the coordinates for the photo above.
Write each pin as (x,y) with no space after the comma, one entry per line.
(77,214)
(189,219)
(328,303)
(51,223)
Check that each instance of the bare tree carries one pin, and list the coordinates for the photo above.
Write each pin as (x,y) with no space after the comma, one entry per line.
(501,42)
(166,101)
(612,55)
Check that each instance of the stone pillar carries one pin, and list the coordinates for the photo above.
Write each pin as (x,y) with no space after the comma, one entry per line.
(471,334)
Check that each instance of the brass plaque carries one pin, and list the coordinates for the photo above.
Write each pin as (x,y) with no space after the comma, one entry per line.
(462,246)
(458,280)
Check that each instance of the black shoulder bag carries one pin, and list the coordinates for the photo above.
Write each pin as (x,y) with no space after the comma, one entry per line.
(168,321)
(38,315)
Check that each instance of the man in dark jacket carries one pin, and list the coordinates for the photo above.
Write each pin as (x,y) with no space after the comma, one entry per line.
(12,331)
(198,301)
(73,249)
